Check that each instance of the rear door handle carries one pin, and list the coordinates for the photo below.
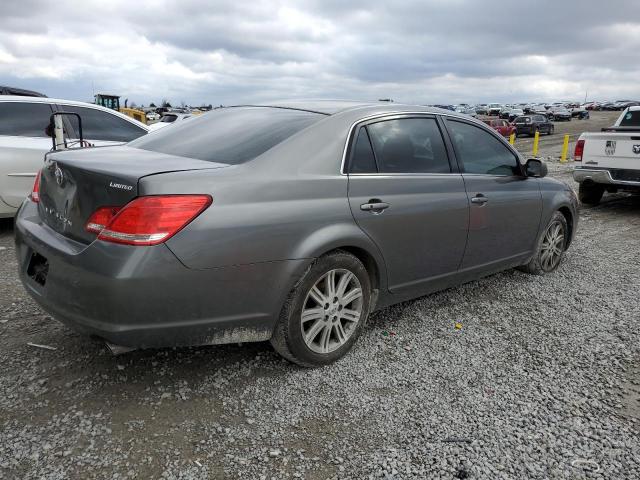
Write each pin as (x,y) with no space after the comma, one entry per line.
(374,206)
(479,199)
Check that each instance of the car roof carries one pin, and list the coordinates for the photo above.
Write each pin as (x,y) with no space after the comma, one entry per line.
(73,103)
(22,92)
(17,98)
(333,107)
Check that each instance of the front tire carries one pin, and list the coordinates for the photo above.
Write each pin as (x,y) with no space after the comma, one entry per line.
(550,248)
(590,193)
(325,312)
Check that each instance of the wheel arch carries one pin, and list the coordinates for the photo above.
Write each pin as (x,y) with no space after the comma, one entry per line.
(352,239)
(568,215)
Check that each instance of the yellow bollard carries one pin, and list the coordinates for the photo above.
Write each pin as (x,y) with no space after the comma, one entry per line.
(512,138)
(565,149)
(536,139)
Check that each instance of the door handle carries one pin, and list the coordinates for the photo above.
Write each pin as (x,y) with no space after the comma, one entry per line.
(479,199)
(374,206)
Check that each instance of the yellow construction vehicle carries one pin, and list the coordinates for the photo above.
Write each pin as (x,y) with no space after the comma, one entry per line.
(113,102)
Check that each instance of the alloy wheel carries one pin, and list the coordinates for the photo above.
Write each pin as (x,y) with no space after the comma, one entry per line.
(552,246)
(331,311)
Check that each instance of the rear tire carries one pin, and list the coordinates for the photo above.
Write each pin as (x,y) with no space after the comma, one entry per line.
(550,247)
(590,193)
(335,298)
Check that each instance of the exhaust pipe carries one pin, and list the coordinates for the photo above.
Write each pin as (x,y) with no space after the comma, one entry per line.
(118,349)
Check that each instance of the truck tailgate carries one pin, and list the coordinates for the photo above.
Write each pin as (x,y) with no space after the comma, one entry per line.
(612,150)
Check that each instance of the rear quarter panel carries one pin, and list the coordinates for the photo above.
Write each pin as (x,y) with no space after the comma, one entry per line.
(20,160)
(290,203)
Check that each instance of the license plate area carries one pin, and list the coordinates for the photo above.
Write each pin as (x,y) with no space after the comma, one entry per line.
(38,269)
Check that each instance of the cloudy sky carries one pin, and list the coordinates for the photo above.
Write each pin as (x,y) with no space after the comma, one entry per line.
(414,51)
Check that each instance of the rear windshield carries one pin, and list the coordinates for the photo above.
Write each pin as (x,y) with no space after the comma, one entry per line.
(228,135)
(523,120)
(631,119)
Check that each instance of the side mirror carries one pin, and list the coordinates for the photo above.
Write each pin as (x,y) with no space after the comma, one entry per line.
(535,168)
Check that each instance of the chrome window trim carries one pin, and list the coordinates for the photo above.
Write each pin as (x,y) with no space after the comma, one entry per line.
(402,174)
(108,111)
(53,103)
(471,121)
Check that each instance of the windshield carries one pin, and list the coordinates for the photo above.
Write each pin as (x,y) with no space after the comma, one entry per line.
(228,135)
(631,119)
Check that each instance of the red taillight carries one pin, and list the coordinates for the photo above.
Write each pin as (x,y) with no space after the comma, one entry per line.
(35,191)
(101,218)
(154,219)
(577,154)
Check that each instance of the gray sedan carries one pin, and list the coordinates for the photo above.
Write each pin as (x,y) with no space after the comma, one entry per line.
(289,223)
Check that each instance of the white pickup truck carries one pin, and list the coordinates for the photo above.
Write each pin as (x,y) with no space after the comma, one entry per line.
(610,159)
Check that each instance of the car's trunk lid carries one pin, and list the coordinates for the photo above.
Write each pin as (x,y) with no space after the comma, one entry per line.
(75,183)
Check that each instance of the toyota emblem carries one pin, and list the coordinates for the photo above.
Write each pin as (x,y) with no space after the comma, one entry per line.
(59,176)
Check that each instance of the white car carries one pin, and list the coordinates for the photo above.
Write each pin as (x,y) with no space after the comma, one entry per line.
(152,116)
(24,140)
(169,118)
(494,108)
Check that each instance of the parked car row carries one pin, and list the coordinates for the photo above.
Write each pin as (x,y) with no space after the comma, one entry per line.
(617,105)
(558,111)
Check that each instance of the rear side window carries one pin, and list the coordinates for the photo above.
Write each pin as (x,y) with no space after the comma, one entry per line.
(100,125)
(409,145)
(631,119)
(363,160)
(481,152)
(24,119)
(229,135)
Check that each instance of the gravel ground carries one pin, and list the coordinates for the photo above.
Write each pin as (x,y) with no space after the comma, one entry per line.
(542,380)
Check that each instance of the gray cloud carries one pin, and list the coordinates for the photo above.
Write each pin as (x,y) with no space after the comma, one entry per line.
(233,52)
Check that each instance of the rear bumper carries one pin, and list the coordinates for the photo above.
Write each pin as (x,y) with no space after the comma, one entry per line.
(525,129)
(604,176)
(144,296)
